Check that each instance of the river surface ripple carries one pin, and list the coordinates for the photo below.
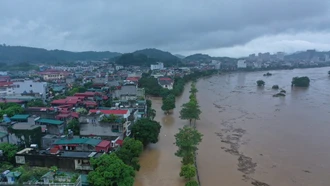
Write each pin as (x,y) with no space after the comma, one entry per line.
(250,137)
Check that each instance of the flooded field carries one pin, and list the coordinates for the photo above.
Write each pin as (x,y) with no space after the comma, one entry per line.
(250,137)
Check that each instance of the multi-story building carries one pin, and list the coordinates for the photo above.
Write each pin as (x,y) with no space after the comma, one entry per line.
(241,64)
(30,86)
(6,88)
(53,75)
(157,66)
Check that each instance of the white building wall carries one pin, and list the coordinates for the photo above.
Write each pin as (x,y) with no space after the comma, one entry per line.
(241,64)
(29,85)
(157,66)
(7,90)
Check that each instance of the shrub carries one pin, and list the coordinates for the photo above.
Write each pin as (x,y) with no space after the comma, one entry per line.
(275,87)
(260,83)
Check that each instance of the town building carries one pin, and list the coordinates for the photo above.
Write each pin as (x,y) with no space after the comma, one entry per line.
(166,82)
(67,160)
(6,88)
(31,87)
(54,75)
(241,64)
(4,138)
(158,66)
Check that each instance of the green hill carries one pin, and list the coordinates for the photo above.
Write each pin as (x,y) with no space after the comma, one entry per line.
(19,54)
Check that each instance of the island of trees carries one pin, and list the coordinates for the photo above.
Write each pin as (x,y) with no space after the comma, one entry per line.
(260,83)
(300,81)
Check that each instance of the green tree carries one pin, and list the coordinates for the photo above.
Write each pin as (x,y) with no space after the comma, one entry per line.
(108,103)
(28,173)
(146,130)
(130,151)
(300,81)
(188,171)
(74,126)
(88,85)
(36,103)
(168,103)
(9,151)
(190,111)
(193,89)
(260,83)
(187,140)
(192,183)
(110,119)
(109,170)
(73,91)
(81,111)
(152,114)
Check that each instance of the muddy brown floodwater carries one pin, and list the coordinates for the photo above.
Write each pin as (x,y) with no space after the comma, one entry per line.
(250,137)
(159,165)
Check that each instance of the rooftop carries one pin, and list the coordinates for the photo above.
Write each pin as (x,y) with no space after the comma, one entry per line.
(104,143)
(3,134)
(108,112)
(25,126)
(20,117)
(50,121)
(74,141)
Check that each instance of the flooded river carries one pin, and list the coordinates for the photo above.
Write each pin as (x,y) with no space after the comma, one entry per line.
(250,137)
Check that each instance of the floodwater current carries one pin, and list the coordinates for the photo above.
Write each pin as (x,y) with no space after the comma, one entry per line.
(250,137)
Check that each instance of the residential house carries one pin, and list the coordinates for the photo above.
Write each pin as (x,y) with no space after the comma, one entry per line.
(67,160)
(126,92)
(6,88)
(4,138)
(241,64)
(166,82)
(95,124)
(30,86)
(52,126)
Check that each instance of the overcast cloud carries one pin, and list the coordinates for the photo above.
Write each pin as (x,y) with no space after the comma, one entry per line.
(217,27)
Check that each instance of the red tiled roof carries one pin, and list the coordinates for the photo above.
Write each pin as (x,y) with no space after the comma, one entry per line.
(11,101)
(65,101)
(115,112)
(104,143)
(54,150)
(119,142)
(5,84)
(90,103)
(62,116)
(86,94)
(75,114)
(165,79)
(133,78)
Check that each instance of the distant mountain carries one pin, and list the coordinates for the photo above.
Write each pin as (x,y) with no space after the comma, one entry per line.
(18,54)
(198,57)
(160,55)
(179,56)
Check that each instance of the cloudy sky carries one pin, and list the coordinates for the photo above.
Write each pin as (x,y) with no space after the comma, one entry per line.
(216,27)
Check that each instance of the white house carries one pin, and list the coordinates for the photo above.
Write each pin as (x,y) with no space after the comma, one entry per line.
(118,67)
(157,66)
(6,88)
(241,63)
(166,82)
(28,86)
